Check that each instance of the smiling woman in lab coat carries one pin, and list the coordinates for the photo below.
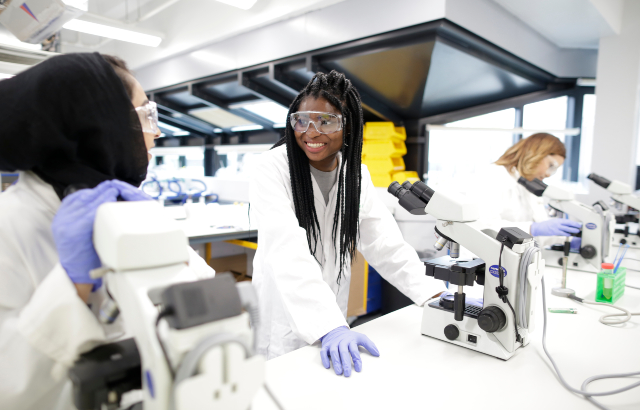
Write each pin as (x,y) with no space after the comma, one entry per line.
(77,120)
(315,205)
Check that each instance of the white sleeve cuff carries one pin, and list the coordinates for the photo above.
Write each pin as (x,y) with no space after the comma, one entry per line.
(57,322)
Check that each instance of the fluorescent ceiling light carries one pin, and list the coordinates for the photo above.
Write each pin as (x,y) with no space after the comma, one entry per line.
(181,134)
(242,148)
(280,125)
(241,4)
(586,82)
(566,131)
(266,109)
(5,76)
(113,32)
(169,127)
(217,130)
(246,128)
(220,117)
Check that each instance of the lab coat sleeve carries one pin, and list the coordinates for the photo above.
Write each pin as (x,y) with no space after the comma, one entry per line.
(199,265)
(309,303)
(383,247)
(40,339)
(57,322)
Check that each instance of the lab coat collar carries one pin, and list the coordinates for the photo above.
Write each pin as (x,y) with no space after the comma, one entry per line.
(43,192)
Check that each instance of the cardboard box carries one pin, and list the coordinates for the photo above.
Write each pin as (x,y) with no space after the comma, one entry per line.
(235,264)
(357,305)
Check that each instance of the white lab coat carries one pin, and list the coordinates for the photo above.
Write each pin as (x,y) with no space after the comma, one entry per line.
(504,202)
(300,299)
(44,325)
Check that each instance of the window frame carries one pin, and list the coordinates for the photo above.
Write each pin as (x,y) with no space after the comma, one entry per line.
(575,104)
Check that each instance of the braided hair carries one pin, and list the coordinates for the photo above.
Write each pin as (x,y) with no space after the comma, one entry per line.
(338,90)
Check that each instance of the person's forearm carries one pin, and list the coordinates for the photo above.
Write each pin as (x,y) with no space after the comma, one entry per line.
(84,290)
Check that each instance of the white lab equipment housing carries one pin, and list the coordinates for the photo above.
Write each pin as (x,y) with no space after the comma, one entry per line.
(143,252)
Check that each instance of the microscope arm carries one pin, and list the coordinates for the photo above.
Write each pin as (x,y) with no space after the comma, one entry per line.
(620,191)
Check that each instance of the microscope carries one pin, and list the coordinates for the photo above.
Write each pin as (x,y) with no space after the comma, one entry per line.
(628,205)
(508,265)
(597,228)
(192,345)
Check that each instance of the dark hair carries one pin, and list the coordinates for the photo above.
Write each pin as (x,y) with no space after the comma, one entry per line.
(338,90)
(123,72)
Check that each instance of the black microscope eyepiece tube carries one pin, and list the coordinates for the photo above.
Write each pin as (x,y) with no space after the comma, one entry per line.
(602,181)
(423,191)
(395,189)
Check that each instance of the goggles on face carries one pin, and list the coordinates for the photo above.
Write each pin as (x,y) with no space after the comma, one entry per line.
(553,165)
(148,115)
(324,122)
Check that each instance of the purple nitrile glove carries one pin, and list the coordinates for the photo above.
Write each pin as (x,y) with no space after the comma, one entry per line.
(73,227)
(341,344)
(576,243)
(555,227)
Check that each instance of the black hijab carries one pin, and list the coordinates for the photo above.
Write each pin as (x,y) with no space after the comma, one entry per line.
(70,120)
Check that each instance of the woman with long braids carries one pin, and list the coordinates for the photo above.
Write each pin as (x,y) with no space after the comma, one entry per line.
(315,205)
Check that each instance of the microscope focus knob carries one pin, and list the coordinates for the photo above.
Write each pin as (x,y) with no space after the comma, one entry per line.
(588,251)
(491,319)
(451,332)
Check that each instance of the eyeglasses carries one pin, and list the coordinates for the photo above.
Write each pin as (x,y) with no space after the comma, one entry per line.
(553,165)
(324,122)
(148,115)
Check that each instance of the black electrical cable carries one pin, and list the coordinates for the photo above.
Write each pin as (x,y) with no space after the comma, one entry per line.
(503,291)
(163,313)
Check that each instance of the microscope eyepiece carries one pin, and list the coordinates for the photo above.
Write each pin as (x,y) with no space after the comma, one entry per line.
(422,191)
(395,189)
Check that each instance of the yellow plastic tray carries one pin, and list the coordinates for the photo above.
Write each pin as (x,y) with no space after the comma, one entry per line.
(384,165)
(380,149)
(383,131)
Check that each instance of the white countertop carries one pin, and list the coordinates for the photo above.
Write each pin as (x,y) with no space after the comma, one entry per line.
(416,371)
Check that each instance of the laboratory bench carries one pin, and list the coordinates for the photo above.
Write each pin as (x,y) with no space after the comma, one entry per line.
(416,371)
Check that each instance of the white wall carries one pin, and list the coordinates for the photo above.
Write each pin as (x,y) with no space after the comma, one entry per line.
(618,103)
(354,19)
(495,24)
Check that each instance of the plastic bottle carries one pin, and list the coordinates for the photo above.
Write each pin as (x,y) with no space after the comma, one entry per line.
(607,288)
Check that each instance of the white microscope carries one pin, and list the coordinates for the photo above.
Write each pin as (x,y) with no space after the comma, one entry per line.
(192,345)
(509,267)
(598,226)
(629,205)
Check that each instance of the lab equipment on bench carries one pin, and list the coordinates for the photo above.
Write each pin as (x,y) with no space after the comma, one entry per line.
(509,267)
(562,290)
(597,227)
(178,191)
(192,345)
(627,232)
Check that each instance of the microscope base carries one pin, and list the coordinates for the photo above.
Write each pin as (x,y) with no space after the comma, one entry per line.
(434,321)
(562,292)
(576,262)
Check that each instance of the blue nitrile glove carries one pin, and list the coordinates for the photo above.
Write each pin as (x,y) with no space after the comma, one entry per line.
(555,227)
(576,243)
(341,344)
(73,227)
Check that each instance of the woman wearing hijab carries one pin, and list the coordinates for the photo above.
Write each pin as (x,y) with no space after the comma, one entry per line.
(74,122)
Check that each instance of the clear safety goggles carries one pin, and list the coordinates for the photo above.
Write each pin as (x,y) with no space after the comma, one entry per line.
(148,115)
(324,122)
(553,165)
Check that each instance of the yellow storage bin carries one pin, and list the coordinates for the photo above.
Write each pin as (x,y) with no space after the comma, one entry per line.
(411,176)
(381,180)
(383,149)
(383,131)
(384,165)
